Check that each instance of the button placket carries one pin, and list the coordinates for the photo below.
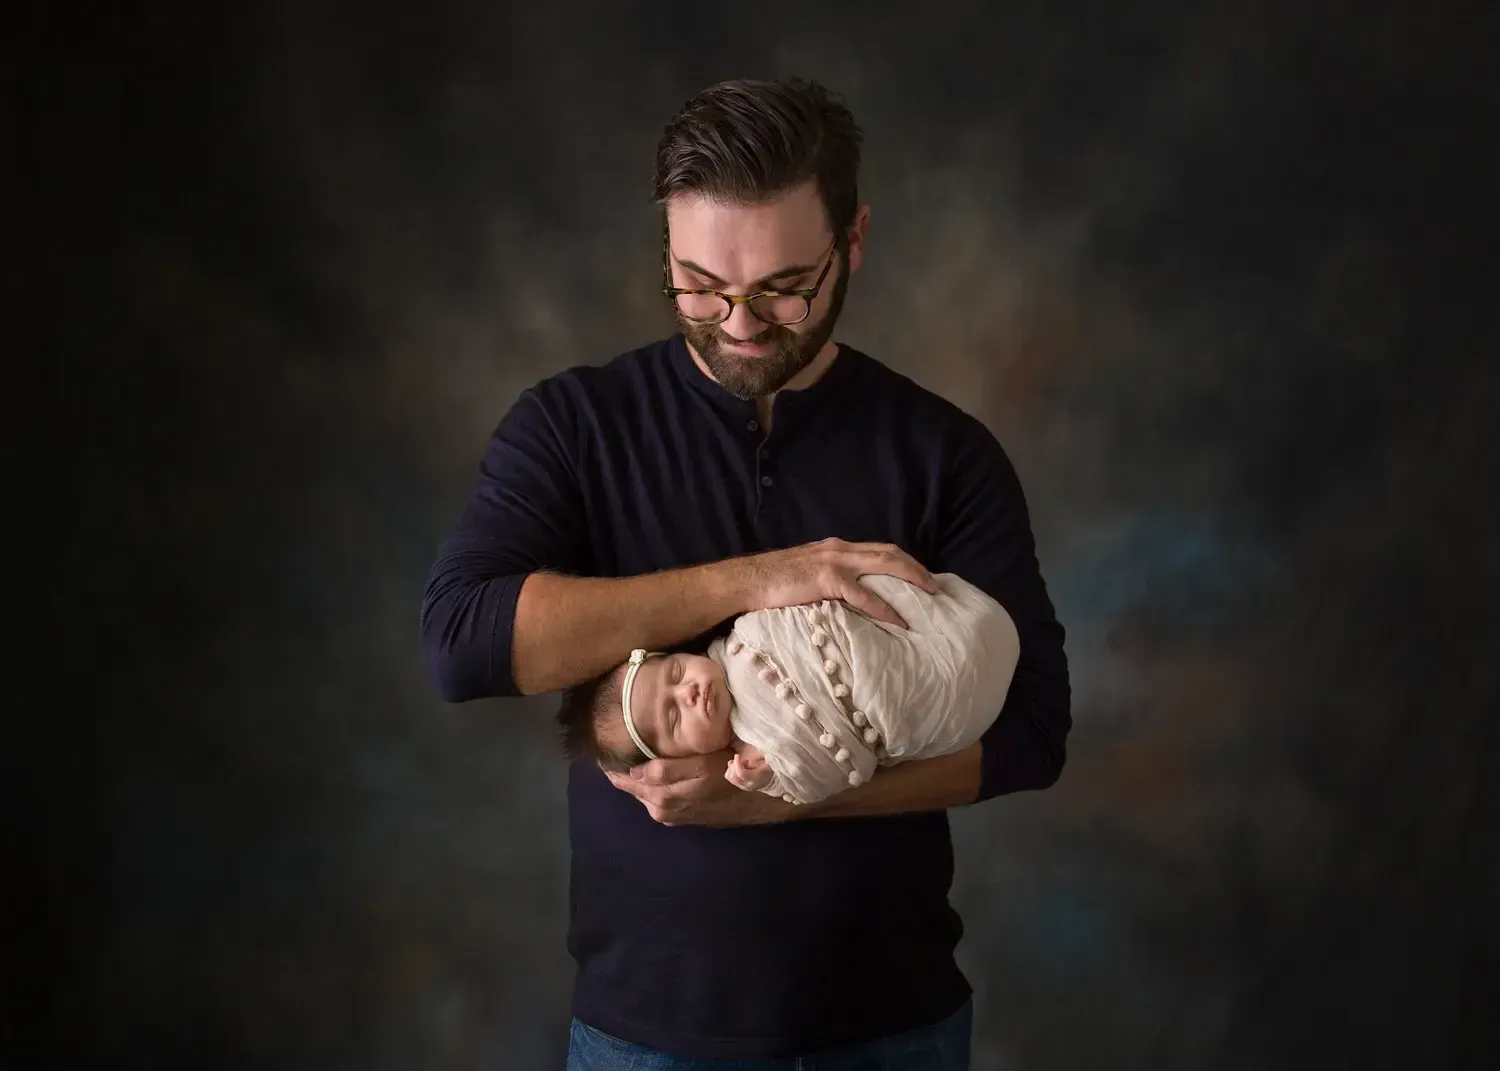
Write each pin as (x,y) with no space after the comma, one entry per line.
(762,454)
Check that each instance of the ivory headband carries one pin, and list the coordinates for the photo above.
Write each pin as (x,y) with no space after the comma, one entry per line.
(637,659)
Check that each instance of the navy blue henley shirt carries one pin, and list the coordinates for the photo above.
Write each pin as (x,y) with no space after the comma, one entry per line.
(770,940)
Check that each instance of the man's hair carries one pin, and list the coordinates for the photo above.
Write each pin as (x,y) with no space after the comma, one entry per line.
(587,708)
(747,142)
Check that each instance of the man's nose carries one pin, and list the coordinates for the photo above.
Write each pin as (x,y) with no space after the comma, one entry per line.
(742,326)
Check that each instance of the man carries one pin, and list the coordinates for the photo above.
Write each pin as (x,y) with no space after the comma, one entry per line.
(748,462)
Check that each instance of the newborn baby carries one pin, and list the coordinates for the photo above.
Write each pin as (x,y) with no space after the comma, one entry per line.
(812,699)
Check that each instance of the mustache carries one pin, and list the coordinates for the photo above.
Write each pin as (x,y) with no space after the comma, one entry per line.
(773,334)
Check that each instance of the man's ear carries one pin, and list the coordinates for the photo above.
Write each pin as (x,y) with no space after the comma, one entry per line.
(858,229)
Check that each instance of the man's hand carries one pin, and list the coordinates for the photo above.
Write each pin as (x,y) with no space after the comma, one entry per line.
(693,791)
(830,569)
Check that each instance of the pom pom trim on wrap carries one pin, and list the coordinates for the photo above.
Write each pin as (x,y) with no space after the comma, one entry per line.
(803,711)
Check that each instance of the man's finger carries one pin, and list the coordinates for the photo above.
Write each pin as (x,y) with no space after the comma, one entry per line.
(861,598)
(687,792)
(892,561)
(657,796)
(651,795)
(666,797)
(670,771)
(626,784)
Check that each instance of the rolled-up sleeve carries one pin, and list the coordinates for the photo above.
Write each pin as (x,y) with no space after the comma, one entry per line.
(524,514)
(986,538)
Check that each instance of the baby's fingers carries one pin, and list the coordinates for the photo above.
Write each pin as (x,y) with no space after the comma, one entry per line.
(735,774)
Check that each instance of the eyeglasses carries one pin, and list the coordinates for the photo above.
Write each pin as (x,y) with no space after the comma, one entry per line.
(781,307)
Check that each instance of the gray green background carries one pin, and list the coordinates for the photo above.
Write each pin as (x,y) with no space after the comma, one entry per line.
(1221,285)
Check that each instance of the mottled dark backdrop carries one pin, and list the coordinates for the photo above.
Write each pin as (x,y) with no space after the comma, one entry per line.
(1222,286)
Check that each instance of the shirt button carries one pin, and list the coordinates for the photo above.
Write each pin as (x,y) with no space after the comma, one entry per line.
(754,425)
(766,481)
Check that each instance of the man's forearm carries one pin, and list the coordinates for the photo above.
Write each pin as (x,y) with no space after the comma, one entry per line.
(923,785)
(569,629)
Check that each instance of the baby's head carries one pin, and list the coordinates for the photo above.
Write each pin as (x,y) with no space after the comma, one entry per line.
(679,703)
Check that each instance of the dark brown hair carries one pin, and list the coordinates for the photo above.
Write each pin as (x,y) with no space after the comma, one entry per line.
(749,141)
(586,709)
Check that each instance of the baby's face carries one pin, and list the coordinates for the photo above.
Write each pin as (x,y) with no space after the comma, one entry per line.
(680,705)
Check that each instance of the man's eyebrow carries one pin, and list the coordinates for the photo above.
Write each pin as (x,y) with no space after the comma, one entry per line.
(784,273)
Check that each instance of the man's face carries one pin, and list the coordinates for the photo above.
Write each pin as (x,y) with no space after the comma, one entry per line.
(742,249)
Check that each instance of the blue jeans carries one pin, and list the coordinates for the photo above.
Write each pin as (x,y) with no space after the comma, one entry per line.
(944,1046)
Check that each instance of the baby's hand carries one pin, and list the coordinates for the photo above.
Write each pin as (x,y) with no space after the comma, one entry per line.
(748,775)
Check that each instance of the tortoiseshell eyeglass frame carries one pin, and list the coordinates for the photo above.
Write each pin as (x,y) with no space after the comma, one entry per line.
(808,296)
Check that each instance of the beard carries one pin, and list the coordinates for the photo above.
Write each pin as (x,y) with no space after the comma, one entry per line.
(755,377)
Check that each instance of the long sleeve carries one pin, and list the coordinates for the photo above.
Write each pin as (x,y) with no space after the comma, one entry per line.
(987,540)
(524,514)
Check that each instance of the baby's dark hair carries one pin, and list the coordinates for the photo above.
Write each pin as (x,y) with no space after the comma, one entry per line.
(589,708)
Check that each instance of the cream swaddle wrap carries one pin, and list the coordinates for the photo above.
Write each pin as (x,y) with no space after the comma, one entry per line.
(828,694)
